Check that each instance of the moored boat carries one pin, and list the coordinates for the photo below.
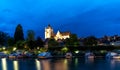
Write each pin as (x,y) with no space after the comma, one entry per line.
(89,55)
(15,56)
(44,55)
(68,55)
(3,55)
(12,56)
(113,55)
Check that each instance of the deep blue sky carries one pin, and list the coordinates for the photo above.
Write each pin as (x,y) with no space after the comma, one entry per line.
(83,17)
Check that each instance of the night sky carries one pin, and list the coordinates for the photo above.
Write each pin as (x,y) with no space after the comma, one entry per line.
(83,17)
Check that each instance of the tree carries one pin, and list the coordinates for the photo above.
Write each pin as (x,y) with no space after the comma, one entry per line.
(20,44)
(3,38)
(30,39)
(30,35)
(52,43)
(72,41)
(10,41)
(31,44)
(18,36)
(90,41)
(39,42)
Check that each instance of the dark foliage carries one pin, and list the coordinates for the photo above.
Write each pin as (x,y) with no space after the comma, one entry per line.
(3,38)
(90,41)
(52,43)
(72,41)
(18,36)
(31,44)
(39,42)
(10,41)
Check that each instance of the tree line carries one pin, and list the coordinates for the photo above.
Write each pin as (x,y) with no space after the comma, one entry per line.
(19,41)
(30,42)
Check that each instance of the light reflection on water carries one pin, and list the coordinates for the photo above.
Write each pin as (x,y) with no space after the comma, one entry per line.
(45,64)
(87,61)
(114,63)
(55,65)
(15,65)
(4,64)
(38,66)
(60,64)
(76,61)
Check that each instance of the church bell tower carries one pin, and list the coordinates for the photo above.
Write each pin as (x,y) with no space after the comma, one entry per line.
(48,32)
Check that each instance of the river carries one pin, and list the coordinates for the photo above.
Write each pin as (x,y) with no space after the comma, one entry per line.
(59,64)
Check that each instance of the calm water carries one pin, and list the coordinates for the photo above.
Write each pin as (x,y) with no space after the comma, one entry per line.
(59,64)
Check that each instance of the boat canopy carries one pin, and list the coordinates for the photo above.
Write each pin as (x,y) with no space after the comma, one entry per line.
(44,54)
(111,54)
(68,54)
(88,53)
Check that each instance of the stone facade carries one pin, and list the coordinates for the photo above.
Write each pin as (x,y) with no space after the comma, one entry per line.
(49,33)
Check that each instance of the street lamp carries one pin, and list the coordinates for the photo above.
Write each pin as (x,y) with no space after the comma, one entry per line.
(38,48)
(77,51)
(3,48)
(14,48)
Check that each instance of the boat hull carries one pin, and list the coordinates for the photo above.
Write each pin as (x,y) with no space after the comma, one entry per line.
(12,57)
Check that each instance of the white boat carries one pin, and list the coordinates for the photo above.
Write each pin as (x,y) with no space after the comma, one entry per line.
(89,55)
(113,55)
(15,56)
(3,55)
(68,55)
(28,55)
(12,56)
(44,55)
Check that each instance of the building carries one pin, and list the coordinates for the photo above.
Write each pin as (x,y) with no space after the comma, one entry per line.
(49,33)
(116,43)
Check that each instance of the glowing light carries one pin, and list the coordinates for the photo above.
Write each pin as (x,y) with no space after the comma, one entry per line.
(77,51)
(65,49)
(39,51)
(113,44)
(38,48)
(14,48)
(65,61)
(25,46)
(102,51)
(5,52)
(4,64)
(15,65)
(4,48)
(38,65)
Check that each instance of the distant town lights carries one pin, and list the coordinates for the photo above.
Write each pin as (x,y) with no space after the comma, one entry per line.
(113,44)
(65,49)
(14,48)
(39,51)
(38,48)
(77,51)
(3,48)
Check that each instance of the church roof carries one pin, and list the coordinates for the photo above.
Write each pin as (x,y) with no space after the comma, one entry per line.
(53,34)
(65,33)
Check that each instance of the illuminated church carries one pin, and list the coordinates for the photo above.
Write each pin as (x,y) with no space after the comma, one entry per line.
(49,33)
